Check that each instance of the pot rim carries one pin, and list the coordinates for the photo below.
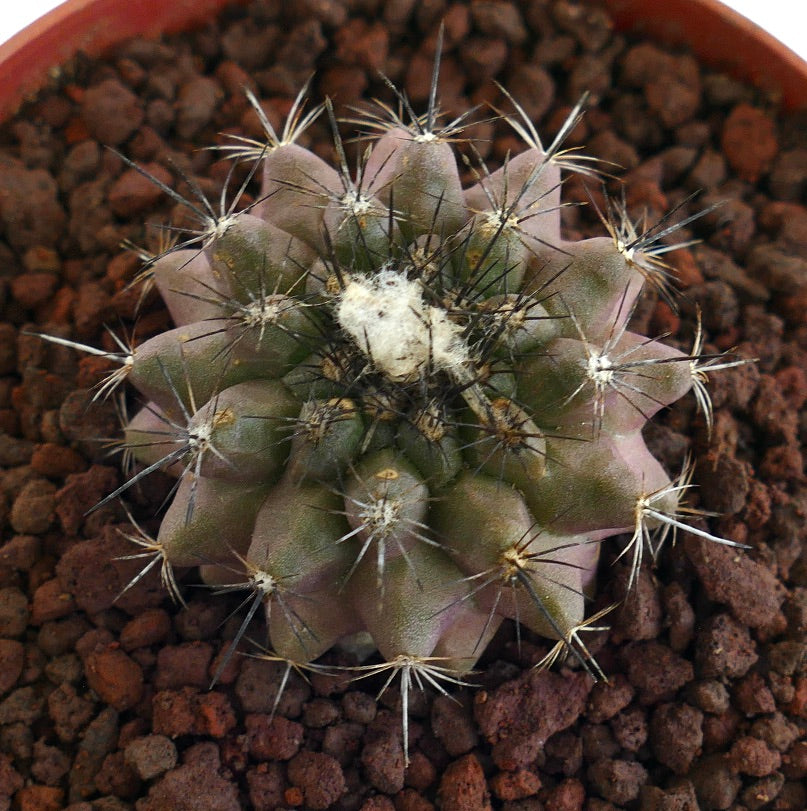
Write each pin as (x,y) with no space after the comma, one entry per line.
(718,35)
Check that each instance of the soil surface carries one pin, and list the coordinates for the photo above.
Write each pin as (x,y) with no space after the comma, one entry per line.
(104,699)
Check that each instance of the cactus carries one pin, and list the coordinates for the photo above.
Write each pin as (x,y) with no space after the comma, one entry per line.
(402,407)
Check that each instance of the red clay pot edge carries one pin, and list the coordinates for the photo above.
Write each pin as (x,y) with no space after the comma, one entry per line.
(33,56)
(720,36)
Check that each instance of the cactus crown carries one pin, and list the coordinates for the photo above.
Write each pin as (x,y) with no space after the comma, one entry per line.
(398,406)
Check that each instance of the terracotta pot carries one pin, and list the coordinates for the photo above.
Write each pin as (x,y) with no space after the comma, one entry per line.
(721,37)
(718,36)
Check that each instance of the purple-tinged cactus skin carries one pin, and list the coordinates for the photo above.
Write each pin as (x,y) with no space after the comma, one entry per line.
(400,407)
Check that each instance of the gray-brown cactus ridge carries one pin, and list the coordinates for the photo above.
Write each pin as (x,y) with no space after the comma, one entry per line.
(404,410)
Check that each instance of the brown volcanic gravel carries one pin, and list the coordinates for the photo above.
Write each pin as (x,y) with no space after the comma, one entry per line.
(104,703)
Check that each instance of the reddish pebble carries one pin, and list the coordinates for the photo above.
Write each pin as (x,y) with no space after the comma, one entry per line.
(215,715)
(382,759)
(293,796)
(31,213)
(133,192)
(82,491)
(656,671)
(629,729)
(39,798)
(56,461)
(344,84)
(319,777)
(421,772)
(116,677)
(224,667)
(749,141)
(40,258)
(724,648)
(515,785)
(753,757)
(520,715)
(273,738)
(183,665)
(716,785)
(14,614)
(174,712)
(378,802)
(189,711)
(12,659)
(363,44)
(151,756)
(687,272)
(568,795)
(617,780)
(665,321)
(794,762)
(720,730)
(411,800)
(33,289)
(676,735)
(674,93)
(679,797)
(798,706)
(680,617)
(148,628)
(753,697)
(111,112)
(776,731)
(607,698)
(198,783)
(51,602)
(196,103)
(32,512)
(463,786)
(10,778)
(453,725)
(267,782)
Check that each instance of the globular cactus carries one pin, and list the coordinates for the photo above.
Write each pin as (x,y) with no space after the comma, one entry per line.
(402,407)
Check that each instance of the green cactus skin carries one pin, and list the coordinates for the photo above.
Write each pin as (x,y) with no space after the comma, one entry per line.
(400,407)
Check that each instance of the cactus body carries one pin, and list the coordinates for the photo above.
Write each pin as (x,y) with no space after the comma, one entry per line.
(402,407)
